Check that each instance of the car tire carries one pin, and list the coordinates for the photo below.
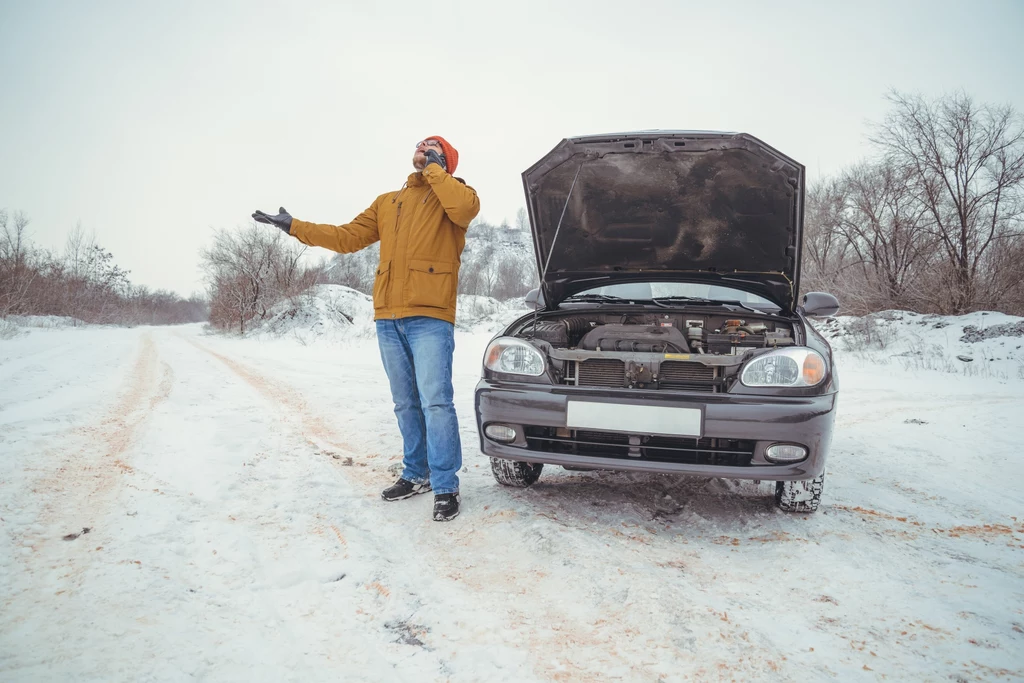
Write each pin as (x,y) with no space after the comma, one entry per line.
(799,496)
(514,473)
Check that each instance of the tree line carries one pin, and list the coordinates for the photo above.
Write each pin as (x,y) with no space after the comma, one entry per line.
(81,282)
(933,222)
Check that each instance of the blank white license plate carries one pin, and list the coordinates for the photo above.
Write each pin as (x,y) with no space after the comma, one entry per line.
(629,418)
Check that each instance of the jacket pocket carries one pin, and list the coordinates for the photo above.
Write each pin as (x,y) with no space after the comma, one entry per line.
(382,285)
(429,283)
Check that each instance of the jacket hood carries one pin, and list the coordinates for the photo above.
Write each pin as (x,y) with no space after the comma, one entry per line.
(709,207)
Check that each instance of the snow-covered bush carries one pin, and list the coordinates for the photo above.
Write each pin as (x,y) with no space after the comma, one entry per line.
(8,330)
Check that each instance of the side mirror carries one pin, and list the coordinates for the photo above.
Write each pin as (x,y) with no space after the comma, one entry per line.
(819,304)
(535,299)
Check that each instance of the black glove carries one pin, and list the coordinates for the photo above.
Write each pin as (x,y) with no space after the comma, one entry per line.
(282,220)
(435,158)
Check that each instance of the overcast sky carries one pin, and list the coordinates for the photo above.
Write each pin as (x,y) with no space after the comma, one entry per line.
(155,123)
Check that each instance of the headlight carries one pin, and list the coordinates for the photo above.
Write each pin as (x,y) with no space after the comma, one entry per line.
(795,367)
(514,356)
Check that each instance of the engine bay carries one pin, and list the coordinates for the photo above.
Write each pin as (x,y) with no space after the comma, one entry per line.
(686,350)
(668,333)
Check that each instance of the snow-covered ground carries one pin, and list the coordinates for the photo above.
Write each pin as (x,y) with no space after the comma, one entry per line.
(230,492)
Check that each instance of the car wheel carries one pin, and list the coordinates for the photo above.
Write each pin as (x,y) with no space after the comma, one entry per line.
(513,473)
(799,496)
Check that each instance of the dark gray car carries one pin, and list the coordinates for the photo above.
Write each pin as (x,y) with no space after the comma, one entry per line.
(668,336)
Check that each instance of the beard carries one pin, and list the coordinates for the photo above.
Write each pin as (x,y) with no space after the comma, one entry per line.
(419,161)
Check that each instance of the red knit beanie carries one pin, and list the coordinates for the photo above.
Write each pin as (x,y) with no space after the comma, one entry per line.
(451,155)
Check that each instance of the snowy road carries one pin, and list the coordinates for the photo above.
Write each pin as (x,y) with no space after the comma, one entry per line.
(235,532)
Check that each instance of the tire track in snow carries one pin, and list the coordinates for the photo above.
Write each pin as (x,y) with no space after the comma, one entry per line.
(314,428)
(75,492)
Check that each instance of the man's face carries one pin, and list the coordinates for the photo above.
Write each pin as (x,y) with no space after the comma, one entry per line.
(419,159)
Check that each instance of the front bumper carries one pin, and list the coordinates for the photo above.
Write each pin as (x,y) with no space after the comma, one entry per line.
(758,421)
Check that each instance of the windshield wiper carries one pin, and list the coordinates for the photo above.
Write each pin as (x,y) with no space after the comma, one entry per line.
(598,297)
(662,300)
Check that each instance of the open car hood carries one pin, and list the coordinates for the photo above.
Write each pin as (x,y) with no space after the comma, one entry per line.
(680,206)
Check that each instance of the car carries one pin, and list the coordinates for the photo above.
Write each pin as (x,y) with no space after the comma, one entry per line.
(667,334)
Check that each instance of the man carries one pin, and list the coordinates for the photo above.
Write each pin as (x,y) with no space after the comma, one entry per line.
(422,231)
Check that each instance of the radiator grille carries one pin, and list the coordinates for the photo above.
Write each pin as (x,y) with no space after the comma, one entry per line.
(601,372)
(675,374)
(611,372)
(674,449)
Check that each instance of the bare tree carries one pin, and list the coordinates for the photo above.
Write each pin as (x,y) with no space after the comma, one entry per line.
(511,278)
(824,245)
(471,276)
(16,274)
(888,230)
(76,246)
(291,277)
(356,270)
(965,164)
(1006,282)
(522,220)
(490,270)
(249,270)
(238,268)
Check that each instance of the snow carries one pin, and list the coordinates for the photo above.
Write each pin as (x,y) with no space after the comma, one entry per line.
(231,491)
(336,313)
(330,311)
(985,343)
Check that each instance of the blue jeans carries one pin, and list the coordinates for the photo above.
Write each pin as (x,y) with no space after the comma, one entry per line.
(417,354)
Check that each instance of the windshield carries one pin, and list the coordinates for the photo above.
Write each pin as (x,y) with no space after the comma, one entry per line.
(655,290)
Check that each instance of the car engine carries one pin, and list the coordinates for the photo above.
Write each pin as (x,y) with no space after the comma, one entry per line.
(716,335)
(694,352)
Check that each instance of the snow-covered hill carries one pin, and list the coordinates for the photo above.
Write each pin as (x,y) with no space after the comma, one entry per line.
(985,343)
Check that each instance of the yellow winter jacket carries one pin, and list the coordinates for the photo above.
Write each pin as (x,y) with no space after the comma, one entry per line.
(422,231)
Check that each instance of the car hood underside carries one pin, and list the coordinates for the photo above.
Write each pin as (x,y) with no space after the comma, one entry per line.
(720,208)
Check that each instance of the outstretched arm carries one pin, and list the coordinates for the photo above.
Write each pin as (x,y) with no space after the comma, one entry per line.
(360,233)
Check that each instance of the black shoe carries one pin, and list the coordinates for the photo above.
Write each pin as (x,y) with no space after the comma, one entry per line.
(446,506)
(404,488)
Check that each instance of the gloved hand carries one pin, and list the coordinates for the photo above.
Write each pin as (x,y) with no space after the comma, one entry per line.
(435,158)
(282,220)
